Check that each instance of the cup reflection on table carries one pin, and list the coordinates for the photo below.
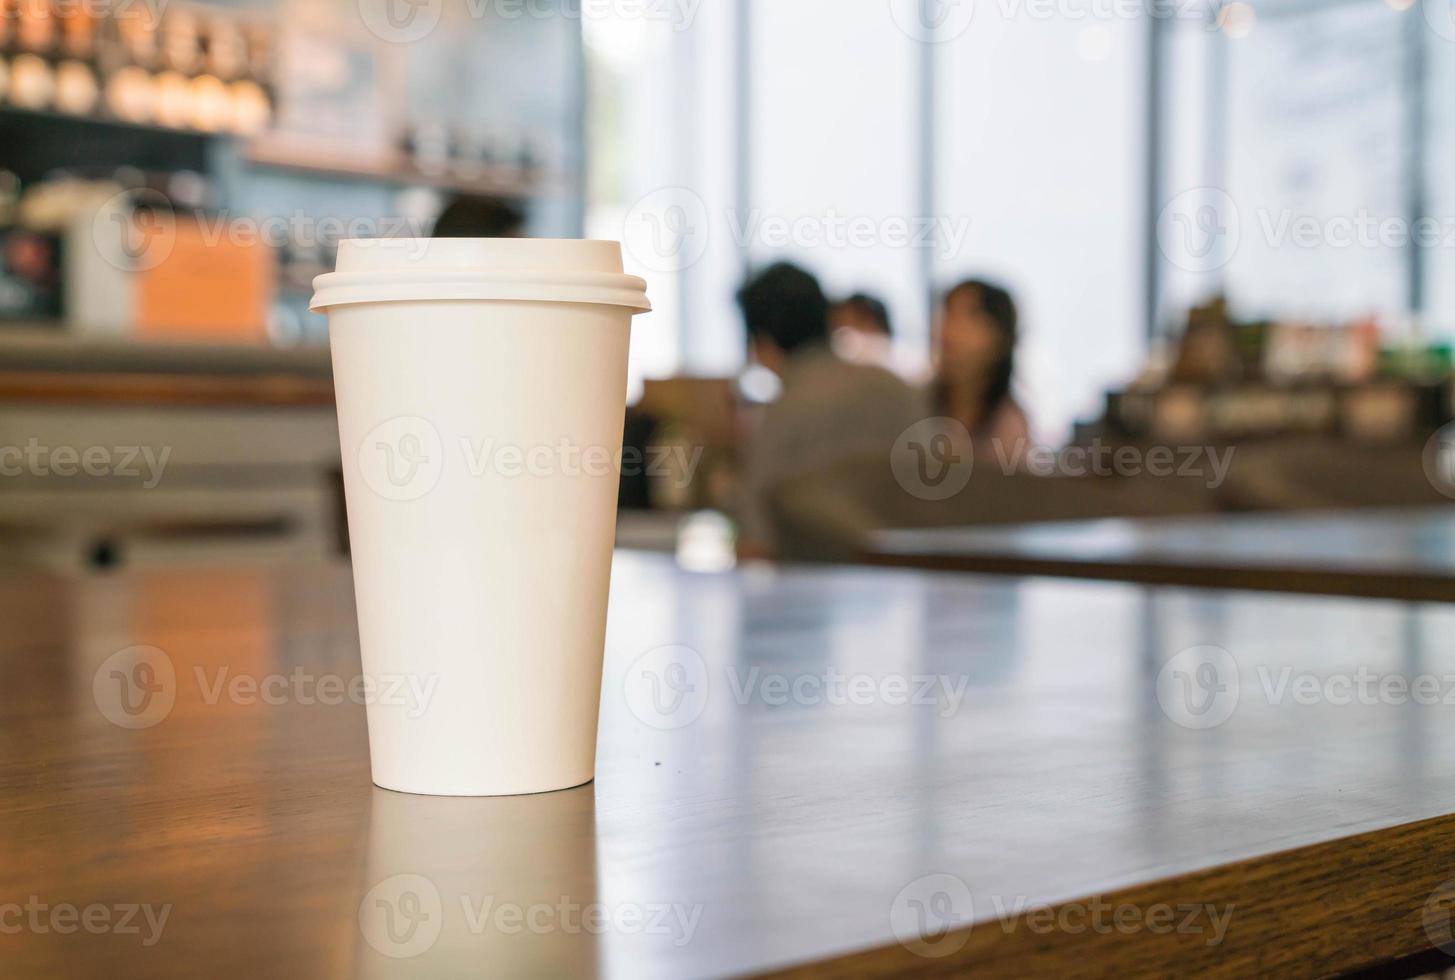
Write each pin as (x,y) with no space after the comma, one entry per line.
(463,887)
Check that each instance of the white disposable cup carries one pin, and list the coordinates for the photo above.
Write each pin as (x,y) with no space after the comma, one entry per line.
(481,388)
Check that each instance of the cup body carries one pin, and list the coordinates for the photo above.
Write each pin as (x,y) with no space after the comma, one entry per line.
(481,444)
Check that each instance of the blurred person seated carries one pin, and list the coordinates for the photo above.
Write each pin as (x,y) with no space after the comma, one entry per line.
(828,410)
(859,330)
(975,365)
(473,216)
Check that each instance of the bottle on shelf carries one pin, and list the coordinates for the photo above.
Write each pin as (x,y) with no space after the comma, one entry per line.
(32,82)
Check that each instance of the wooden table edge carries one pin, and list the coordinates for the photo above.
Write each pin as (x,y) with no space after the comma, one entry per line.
(1372,891)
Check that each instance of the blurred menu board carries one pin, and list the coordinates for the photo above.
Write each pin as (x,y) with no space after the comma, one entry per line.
(1315,165)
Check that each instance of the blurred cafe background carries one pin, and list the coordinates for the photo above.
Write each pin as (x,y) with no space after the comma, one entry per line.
(1088,257)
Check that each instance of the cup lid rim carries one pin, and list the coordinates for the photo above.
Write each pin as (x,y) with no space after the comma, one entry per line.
(567,270)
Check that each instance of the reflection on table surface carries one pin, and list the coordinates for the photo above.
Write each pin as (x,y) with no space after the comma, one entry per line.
(1418,539)
(785,755)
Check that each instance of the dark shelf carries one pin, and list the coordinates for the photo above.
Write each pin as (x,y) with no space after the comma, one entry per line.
(35,143)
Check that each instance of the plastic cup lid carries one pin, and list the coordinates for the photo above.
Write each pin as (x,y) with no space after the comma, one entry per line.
(548,270)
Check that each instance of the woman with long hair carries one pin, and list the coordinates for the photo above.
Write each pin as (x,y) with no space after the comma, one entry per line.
(975,362)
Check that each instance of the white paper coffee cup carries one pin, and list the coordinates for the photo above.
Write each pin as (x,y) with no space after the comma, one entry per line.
(481,388)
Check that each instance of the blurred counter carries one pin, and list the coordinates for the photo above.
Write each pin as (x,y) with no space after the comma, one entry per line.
(47,347)
(125,451)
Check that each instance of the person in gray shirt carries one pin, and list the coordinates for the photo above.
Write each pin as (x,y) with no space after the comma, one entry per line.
(828,410)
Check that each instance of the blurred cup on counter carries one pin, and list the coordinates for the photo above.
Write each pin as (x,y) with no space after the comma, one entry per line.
(481,387)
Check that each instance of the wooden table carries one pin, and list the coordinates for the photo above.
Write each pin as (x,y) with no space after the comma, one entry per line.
(830,761)
(1400,554)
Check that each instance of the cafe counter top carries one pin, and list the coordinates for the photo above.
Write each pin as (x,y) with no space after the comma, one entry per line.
(51,347)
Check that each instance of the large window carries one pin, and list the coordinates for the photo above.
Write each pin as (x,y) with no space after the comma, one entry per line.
(835,147)
(1041,136)
(1315,165)
(889,154)
(901,145)
(1300,163)
(1436,162)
